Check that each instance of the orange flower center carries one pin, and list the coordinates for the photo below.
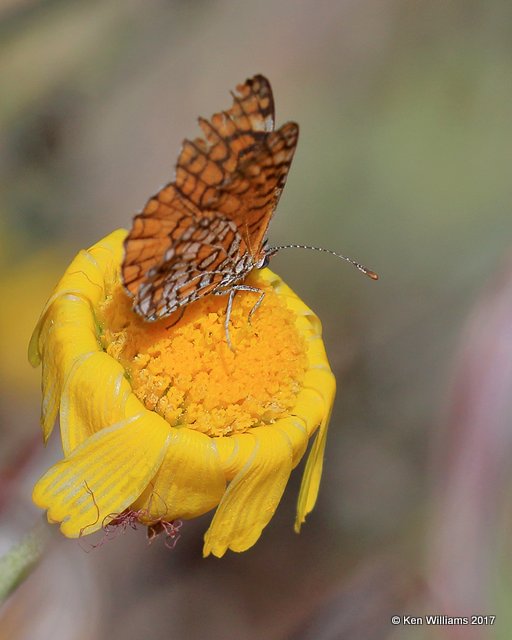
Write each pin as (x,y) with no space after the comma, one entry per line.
(184,369)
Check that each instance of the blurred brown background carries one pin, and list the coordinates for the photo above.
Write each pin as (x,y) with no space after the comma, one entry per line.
(403,163)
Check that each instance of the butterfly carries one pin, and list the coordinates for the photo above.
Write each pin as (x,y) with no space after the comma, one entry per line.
(205,232)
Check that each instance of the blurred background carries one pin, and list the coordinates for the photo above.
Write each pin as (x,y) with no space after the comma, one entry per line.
(404,164)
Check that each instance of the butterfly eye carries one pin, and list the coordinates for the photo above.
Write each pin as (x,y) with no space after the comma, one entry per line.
(264,262)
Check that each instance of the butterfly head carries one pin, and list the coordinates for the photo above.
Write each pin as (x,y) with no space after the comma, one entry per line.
(265,256)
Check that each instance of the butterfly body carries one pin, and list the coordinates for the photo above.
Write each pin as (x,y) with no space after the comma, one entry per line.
(205,232)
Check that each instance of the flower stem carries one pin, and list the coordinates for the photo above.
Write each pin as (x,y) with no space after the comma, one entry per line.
(17,563)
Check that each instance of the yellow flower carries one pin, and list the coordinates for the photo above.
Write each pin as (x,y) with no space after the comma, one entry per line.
(162,421)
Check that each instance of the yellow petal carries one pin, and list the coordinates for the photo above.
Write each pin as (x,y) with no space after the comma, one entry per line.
(317,358)
(296,431)
(67,334)
(292,300)
(108,254)
(94,397)
(104,475)
(85,277)
(312,401)
(254,493)
(319,383)
(233,453)
(189,482)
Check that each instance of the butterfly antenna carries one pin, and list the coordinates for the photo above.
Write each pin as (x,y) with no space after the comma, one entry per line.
(371,274)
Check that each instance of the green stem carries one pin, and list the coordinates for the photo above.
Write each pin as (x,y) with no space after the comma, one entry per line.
(17,563)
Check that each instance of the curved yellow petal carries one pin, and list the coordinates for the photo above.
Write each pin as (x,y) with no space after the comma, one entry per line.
(190,480)
(317,358)
(319,383)
(254,493)
(295,429)
(233,453)
(94,397)
(292,300)
(85,277)
(108,254)
(104,475)
(68,333)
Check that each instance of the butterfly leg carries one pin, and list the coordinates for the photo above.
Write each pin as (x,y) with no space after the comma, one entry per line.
(232,293)
(257,305)
(182,313)
(229,308)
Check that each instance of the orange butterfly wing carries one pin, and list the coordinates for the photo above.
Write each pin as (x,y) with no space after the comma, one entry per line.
(205,230)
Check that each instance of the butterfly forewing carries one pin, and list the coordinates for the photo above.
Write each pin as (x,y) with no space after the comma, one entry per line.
(205,231)
(178,261)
